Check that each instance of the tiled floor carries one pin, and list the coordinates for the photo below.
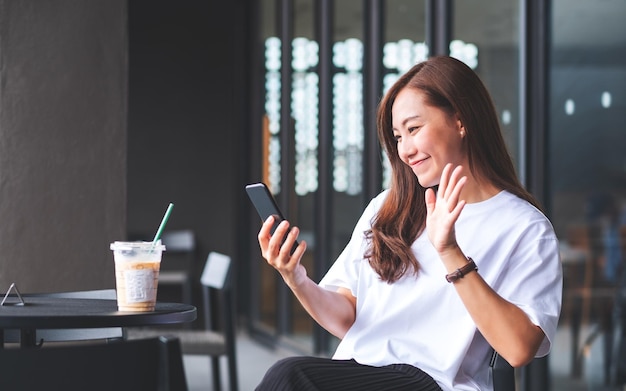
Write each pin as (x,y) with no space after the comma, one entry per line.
(254,359)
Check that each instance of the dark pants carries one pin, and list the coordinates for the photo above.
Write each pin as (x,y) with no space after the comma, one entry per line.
(324,374)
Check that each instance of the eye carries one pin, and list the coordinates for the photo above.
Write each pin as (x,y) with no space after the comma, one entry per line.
(413,129)
(396,137)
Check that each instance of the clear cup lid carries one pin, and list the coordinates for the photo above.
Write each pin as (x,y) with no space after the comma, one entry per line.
(137,246)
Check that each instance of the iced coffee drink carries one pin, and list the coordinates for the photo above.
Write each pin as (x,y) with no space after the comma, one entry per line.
(137,267)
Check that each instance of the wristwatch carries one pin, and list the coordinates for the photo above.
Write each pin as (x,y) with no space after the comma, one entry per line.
(460,272)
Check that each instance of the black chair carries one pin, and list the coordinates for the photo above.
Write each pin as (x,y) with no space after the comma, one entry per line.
(502,373)
(177,261)
(149,364)
(213,341)
(65,335)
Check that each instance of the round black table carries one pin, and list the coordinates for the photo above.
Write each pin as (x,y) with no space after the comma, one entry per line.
(40,312)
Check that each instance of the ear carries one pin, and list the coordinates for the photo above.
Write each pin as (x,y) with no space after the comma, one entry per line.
(460,127)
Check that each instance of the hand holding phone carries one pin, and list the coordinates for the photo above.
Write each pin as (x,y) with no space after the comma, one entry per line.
(266,206)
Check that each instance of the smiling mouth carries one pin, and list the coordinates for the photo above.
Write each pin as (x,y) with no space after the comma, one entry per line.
(416,162)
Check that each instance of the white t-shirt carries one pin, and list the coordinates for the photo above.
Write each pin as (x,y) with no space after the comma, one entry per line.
(420,319)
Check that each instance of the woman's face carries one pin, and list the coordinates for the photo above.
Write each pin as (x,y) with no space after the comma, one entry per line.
(427,137)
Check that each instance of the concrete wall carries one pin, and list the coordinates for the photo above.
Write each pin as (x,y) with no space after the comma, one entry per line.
(109,110)
(186,121)
(63,109)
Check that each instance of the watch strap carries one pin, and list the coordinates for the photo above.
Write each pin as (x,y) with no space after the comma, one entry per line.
(462,271)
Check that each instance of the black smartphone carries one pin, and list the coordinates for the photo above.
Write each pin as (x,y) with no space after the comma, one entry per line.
(266,205)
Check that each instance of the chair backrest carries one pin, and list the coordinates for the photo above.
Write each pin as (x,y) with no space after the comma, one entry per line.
(179,240)
(216,271)
(145,364)
(217,277)
(502,373)
(179,255)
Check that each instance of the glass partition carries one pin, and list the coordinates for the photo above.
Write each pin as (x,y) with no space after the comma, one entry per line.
(586,172)
(587,187)
(274,310)
(486,36)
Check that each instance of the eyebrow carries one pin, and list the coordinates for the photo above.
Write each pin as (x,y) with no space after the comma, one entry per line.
(403,123)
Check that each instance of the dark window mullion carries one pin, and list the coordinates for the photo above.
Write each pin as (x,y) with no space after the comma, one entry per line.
(536,38)
(439,27)
(285,30)
(372,91)
(322,222)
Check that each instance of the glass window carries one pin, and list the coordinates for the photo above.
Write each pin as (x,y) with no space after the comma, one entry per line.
(404,37)
(489,42)
(587,187)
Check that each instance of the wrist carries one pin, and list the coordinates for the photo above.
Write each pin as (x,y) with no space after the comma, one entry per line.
(452,257)
(297,279)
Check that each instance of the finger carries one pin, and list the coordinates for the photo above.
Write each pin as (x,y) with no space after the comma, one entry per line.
(456,212)
(452,182)
(266,228)
(291,261)
(299,252)
(443,181)
(276,241)
(430,199)
(455,176)
(459,184)
(265,232)
(455,192)
(289,240)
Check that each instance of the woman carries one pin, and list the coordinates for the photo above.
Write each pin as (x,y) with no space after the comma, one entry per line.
(452,260)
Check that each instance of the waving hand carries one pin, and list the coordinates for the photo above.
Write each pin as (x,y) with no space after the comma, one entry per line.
(443,209)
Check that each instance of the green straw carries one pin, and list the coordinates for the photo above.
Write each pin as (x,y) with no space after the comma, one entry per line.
(160,230)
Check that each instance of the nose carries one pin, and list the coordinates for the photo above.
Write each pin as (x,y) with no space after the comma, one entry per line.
(405,151)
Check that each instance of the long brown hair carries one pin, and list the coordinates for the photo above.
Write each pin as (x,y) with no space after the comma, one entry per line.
(452,86)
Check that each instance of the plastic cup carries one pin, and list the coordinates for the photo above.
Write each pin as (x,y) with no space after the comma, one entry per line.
(137,267)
